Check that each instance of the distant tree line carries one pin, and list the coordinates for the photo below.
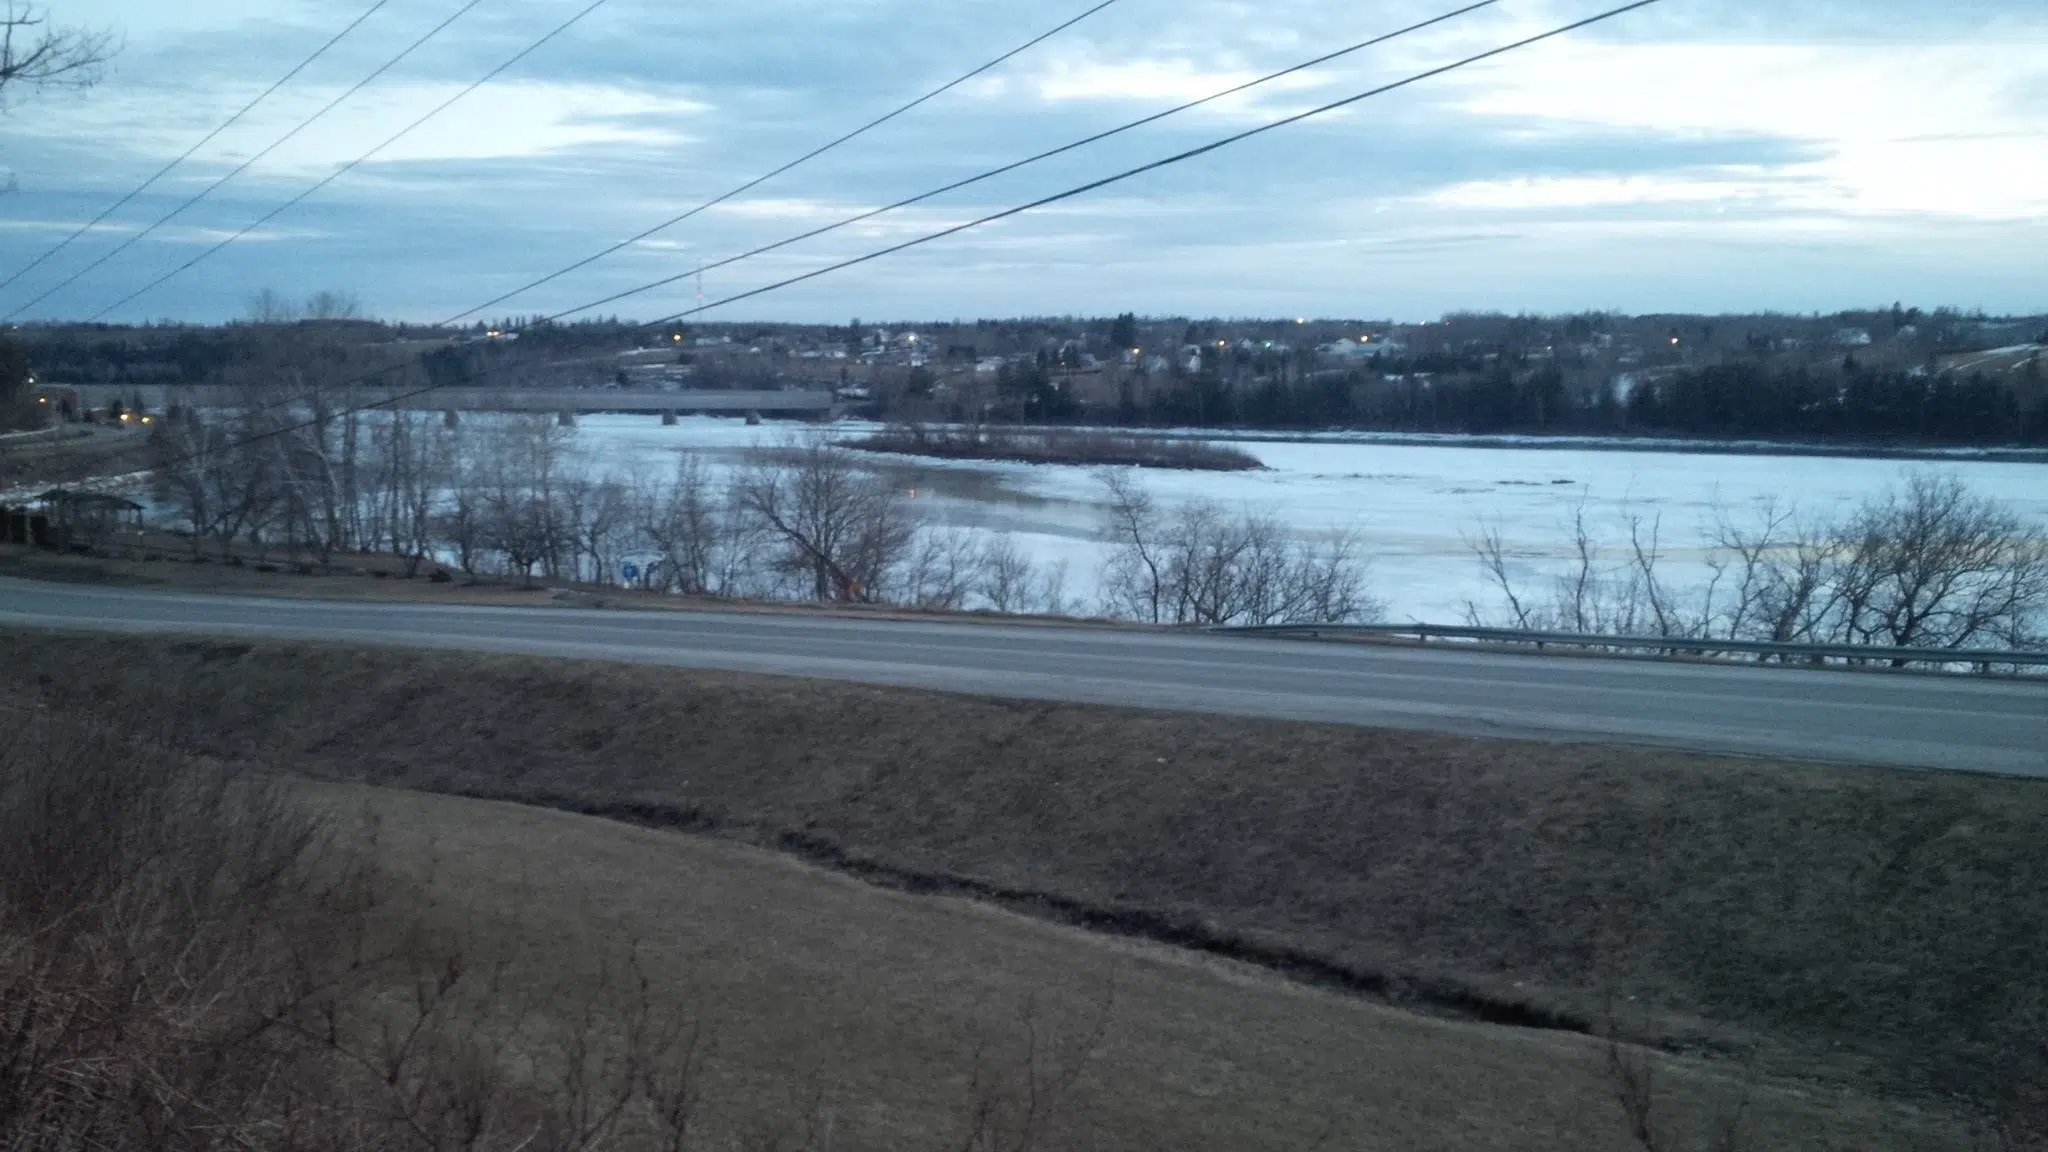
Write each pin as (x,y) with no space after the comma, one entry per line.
(1509,375)
(1454,395)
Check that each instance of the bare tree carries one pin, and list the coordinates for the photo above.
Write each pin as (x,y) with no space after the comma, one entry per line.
(1204,565)
(1779,565)
(218,473)
(463,519)
(329,305)
(35,53)
(706,546)
(843,528)
(270,306)
(1134,578)
(1930,564)
(594,514)
(416,468)
(518,526)
(1007,581)
(944,568)
(523,468)
(1926,564)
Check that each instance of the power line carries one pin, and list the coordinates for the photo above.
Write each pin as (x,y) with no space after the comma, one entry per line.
(345,169)
(230,122)
(1235,90)
(804,159)
(245,165)
(1156,165)
(1029,160)
(1177,158)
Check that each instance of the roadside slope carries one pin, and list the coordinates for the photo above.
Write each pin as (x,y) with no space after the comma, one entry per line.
(873,1003)
(1879,928)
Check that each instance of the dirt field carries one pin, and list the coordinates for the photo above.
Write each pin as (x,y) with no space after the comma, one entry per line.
(819,991)
(1882,930)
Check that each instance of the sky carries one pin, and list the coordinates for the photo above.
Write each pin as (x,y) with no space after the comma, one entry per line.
(1696,155)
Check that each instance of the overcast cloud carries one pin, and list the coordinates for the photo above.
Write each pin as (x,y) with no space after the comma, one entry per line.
(1737,154)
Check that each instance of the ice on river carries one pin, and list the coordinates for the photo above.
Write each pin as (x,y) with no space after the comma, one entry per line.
(1417,508)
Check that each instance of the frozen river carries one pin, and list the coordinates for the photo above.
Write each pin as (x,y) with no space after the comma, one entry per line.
(1416,508)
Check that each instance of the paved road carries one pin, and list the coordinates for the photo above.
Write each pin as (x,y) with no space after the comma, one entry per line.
(1913,721)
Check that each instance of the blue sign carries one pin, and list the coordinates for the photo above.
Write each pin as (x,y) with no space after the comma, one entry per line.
(631,572)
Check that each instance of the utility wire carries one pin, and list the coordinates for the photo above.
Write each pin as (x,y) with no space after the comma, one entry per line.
(230,122)
(1100,136)
(351,166)
(1154,166)
(245,165)
(1177,158)
(1028,161)
(870,126)
(801,160)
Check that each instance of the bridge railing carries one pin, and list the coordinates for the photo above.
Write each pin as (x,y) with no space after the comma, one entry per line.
(1982,660)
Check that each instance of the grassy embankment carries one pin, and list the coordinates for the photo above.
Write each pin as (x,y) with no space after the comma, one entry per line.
(1875,934)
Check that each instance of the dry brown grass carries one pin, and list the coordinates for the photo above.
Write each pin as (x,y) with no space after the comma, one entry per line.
(820,990)
(1877,929)
(190,959)
(201,958)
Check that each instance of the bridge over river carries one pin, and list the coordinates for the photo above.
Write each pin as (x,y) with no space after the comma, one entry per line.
(161,398)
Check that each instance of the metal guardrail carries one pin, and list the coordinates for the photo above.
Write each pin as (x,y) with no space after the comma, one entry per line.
(1789,653)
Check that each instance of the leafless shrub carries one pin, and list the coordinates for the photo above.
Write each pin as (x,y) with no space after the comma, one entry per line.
(1019,1103)
(1632,1074)
(1203,565)
(190,960)
(1590,597)
(1926,564)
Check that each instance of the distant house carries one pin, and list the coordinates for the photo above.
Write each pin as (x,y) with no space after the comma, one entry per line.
(1367,348)
(1852,338)
(644,356)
